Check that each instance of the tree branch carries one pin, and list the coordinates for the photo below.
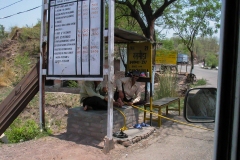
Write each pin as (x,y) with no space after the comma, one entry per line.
(135,14)
(160,10)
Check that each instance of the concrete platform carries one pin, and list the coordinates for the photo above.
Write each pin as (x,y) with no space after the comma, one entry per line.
(93,123)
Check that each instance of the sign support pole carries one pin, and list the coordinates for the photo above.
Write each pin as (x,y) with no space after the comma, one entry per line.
(42,65)
(109,139)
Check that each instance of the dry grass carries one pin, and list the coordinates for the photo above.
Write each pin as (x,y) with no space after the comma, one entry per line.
(6,74)
(56,109)
(167,85)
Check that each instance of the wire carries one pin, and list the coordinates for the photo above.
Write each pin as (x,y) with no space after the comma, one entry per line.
(10,5)
(191,125)
(124,126)
(20,12)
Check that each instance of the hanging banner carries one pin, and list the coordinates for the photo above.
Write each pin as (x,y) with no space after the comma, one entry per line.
(75,39)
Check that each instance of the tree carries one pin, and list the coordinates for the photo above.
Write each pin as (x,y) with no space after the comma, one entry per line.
(212,60)
(3,34)
(168,44)
(206,45)
(194,18)
(144,12)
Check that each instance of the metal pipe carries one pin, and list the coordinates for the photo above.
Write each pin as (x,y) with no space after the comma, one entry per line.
(42,50)
(111,67)
(40,68)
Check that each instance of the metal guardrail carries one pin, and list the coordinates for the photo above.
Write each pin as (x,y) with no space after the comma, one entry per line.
(18,99)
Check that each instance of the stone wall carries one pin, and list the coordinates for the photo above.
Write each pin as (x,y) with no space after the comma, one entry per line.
(93,123)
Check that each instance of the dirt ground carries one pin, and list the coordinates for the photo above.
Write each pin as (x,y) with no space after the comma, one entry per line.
(170,141)
(62,146)
(50,148)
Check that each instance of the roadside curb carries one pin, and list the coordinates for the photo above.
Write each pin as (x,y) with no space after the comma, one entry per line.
(134,136)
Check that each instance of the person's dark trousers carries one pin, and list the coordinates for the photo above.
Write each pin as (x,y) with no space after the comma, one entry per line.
(96,103)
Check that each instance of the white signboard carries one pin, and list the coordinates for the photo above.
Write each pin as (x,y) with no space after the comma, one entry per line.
(75,39)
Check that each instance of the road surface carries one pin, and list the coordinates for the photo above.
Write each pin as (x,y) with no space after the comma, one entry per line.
(211,75)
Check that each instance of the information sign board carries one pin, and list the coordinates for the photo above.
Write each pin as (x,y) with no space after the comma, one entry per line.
(75,39)
(139,57)
(166,57)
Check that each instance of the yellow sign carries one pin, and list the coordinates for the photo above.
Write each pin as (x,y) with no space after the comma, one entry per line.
(139,57)
(166,57)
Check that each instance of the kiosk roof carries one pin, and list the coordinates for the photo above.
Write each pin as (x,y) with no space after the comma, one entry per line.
(124,36)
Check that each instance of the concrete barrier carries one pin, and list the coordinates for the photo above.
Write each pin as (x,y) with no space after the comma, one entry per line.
(3,138)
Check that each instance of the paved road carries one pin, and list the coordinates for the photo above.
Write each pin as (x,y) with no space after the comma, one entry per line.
(211,75)
(173,141)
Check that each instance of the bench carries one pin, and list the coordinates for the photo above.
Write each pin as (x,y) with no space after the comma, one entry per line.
(159,104)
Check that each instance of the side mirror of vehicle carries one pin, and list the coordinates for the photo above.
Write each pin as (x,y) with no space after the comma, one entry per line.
(200,105)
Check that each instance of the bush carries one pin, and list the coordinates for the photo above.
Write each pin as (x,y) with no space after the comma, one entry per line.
(70,84)
(167,85)
(23,131)
(212,60)
(199,82)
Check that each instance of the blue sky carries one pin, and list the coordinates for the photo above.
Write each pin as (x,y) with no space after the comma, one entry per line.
(29,18)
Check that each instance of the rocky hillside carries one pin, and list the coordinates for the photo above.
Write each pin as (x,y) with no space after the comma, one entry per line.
(57,104)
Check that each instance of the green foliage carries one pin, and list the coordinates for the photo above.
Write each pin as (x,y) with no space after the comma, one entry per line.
(190,19)
(168,44)
(32,33)
(202,46)
(13,30)
(23,61)
(143,13)
(165,51)
(200,82)
(211,60)
(72,84)
(167,84)
(177,44)
(22,65)
(28,37)
(23,131)
(3,33)
(205,45)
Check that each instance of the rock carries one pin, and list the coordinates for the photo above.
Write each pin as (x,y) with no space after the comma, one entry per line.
(127,143)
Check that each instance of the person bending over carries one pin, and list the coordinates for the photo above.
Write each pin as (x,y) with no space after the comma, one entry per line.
(94,96)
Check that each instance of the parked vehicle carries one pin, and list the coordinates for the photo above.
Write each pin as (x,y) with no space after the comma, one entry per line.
(182,58)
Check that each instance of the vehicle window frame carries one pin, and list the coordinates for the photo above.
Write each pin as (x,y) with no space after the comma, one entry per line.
(226,139)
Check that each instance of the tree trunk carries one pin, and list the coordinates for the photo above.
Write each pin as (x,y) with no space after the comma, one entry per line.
(192,65)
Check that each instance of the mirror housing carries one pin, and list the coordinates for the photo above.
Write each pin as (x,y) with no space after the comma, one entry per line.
(200,105)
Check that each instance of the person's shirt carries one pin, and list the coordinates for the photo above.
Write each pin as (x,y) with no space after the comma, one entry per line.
(129,90)
(88,90)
